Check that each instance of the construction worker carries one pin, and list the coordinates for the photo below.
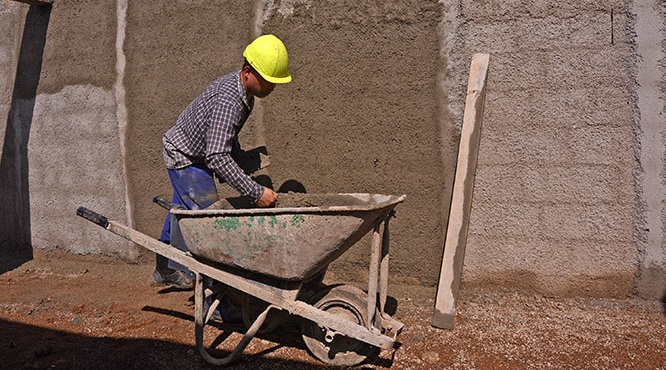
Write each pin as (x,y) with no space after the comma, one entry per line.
(204,143)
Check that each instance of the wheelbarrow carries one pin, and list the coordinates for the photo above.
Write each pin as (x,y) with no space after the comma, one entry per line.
(272,260)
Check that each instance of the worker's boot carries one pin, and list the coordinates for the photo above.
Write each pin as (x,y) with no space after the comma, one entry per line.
(174,278)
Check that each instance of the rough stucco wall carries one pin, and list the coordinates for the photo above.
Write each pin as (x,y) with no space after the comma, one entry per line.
(173,52)
(375,107)
(363,115)
(67,122)
(81,46)
(561,205)
(74,147)
(12,17)
(356,130)
(555,184)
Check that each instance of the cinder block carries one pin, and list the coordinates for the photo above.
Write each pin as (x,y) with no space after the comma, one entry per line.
(560,109)
(566,183)
(501,182)
(525,142)
(587,31)
(612,222)
(583,135)
(518,71)
(566,221)
(535,35)
(603,144)
(556,259)
(502,10)
(580,183)
(560,69)
(501,219)
(576,68)
(593,106)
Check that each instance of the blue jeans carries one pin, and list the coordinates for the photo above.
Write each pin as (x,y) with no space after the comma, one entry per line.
(193,188)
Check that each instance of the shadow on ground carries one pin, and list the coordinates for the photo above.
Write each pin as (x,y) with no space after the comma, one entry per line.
(287,334)
(63,350)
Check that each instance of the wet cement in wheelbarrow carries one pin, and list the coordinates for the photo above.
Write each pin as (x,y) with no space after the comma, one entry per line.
(294,200)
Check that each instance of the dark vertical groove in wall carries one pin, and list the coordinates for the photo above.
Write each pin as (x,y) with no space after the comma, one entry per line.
(15,235)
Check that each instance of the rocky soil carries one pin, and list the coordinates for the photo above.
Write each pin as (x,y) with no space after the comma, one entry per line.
(60,311)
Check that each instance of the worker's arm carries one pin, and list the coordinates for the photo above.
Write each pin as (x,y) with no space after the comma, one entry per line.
(221,137)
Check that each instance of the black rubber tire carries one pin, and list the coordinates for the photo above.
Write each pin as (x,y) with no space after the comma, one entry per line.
(348,302)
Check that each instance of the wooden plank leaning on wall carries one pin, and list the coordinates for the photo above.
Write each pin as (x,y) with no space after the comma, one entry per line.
(461,202)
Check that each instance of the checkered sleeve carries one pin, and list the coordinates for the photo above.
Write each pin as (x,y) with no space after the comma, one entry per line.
(221,138)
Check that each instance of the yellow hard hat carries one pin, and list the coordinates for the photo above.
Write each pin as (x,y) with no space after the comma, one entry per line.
(268,56)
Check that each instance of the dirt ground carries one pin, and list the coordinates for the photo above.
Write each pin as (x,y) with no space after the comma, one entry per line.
(60,311)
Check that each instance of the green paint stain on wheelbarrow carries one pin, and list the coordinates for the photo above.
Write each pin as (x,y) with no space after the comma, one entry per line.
(273,221)
(297,220)
(234,223)
(228,224)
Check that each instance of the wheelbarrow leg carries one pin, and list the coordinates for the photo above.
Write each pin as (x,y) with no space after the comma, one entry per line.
(373,275)
(379,260)
(201,319)
(379,264)
(384,267)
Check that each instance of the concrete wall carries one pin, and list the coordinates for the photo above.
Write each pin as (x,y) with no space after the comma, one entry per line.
(555,185)
(61,145)
(168,63)
(348,123)
(569,193)
(364,115)
(557,175)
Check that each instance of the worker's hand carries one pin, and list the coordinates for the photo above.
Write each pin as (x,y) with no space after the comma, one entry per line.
(268,198)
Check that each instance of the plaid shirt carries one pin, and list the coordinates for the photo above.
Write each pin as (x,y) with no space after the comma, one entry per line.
(207,132)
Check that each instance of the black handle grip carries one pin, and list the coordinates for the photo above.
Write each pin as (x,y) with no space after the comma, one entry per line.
(163,202)
(166,204)
(93,217)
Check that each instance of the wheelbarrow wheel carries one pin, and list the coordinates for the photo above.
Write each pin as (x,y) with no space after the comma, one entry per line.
(335,348)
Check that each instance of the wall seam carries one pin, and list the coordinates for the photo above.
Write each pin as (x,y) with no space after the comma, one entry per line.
(262,12)
(650,150)
(121,107)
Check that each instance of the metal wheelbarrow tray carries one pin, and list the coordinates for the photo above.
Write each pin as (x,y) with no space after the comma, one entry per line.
(273,259)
